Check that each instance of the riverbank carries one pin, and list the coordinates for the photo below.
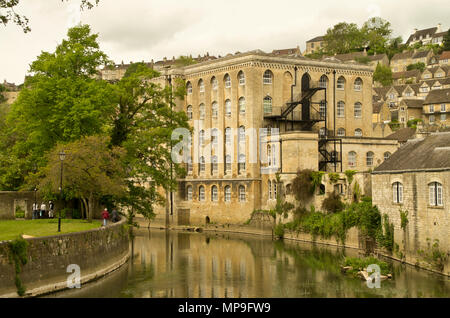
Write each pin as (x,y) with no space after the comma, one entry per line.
(95,252)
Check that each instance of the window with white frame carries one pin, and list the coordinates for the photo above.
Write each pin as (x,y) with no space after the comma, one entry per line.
(443,108)
(228,136)
(242,106)
(201,138)
(214,137)
(274,189)
(189,165)
(267,77)
(443,117)
(189,112)
(215,110)
(432,119)
(358,132)
(270,189)
(397,192)
(241,134)
(387,155)
(214,165)
(269,155)
(202,111)
(267,105)
(323,81)
(322,109)
(227,81)
(358,110)
(228,108)
(340,83)
(322,132)
(201,193)
(431,108)
(341,132)
(241,78)
(227,163)
(214,194)
(227,193)
(189,88)
(358,84)
(352,159)
(214,83)
(241,164)
(369,159)
(241,193)
(201,86)
(435,194)
(202,164)
(189,193)
(340,109)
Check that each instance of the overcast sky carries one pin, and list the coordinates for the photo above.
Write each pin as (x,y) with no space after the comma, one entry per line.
(136,30)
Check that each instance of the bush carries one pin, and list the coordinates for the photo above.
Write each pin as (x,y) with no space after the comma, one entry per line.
(333,203)
(279,230)
(302,185)
(362,263)
(20,213)
(76,214)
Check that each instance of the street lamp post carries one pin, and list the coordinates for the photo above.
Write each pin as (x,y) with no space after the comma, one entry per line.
(62,156)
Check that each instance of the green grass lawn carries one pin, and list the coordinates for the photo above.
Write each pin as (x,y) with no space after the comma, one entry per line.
(11,229)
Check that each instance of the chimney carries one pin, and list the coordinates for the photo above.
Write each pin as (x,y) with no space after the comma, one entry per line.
(207,53)
(438,28)
(415,30)
(173,58)
(165,59)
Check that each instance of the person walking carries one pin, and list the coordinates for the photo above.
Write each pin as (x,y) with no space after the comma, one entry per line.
(35,210)
(43,209)
(114,216)
(51,207)
(105,216)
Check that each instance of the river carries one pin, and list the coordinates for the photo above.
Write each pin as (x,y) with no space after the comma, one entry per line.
(185,264)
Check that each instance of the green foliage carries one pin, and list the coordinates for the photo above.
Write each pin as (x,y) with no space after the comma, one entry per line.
(316,179)
(343,38)
(360,264)
(333,203)
(383,75)
(350,174)
(394,125)
(416,66)
(183,60)
(19,213)
(356,192)
(18,256)
(446,41)
(333,177)
(386,238)
(403,218)
(363,60)
(434,255)
(376,33)
(302,185)
(412,123)
(279,230)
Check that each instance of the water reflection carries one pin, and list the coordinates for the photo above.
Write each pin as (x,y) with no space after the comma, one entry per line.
(175,264)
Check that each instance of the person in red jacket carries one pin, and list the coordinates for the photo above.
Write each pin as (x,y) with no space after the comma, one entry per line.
(105,216)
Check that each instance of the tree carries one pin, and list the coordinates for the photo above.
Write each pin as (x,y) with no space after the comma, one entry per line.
(343,38)
(7,13)
(395,46)
(416,66)
(376,33)
(91,170)
(61,102)
(383,75)
(446,41)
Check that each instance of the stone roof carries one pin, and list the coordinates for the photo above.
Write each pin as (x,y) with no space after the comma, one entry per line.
(294,50)
(413,103)
(432,152)
(402,56)
(382,91)
(377,57)
(403,134)
(406,74)
(445,55)
(423,33)
(316,39)
(419,54)
(376,107)
(436,35)
(437,96)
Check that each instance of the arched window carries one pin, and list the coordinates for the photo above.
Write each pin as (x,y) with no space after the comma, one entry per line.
(214,83)
(228,136)
(227,193)
(241,164)
(340,109)
(201,138)
(435,193)
(228,107)
(323,81)
(267,104)
(214,137)
(189,193)
(202,111)
(241,78)
(215,110)
(241,193)
(387,155)
(201,193)
(340,83)
(358,110)
(227,81)
(270,189)
(322,109)
(358,132)
(201,86)
(242,105)
(267,77)
(189,88)
(214,165)
(341,132)
(397,192)
(202,165)
(214,194)
(352,159)
(242,134)
(274,189)
(369,159)
(227,163)
(269,155)
(189,112)
(358,84)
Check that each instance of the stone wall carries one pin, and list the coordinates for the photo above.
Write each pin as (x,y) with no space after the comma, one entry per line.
(10,199)
(95,251)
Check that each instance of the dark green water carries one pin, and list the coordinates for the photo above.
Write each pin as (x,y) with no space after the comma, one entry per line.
(175,264)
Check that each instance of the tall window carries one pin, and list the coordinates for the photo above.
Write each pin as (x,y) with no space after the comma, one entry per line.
(202,111)
(322,109)
(242,134)
(274,156)
(201,137)
(228,136)
(431,108)
(358,84)
(397,192)
(358,132)
(274,189)
(341,132)
(267,103)
(189,193)
(431,119)
(387,155)
(202,164)
(201,193)
(358,110)
(214,165)
(352,159)
(214,194)
(214,83)
(269,155)
(270,189)
(241,193)
(242,105)
(442,107)
(323,81)
(228,107)
(241,164)
(241,78)
(227,80)
(340,109)
(189,112)
(227,163)
(267,77)
(215,109)
(214,137)
(369,159)
(340,83)
(227,193)
(435,191)
(201,86)
(189,165)
(189,88)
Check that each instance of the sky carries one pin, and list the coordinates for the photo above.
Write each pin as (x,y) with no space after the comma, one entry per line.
(136,30)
